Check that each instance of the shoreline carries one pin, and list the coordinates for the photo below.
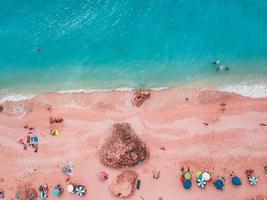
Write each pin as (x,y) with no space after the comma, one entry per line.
(243,89)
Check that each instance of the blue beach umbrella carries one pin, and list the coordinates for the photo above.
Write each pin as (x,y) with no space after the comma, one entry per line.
(56,192)
(187,184)
(219,184)
(236,181)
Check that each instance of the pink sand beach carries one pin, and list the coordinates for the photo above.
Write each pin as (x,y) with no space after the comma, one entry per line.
(196,132)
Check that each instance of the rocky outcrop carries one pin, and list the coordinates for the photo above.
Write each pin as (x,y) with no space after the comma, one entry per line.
(1,108)
(124,184)
(27,192)
(140,96)
(123,148)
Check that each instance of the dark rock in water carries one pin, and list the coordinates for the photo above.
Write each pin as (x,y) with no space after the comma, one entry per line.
(140,96)
(1,108)
(124,185)
(27,192)
(123,148)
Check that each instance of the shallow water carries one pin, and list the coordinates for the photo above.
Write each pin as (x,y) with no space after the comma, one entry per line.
(105,44)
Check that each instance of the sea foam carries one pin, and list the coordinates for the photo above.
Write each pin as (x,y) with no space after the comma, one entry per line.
(16,98)
(247,89)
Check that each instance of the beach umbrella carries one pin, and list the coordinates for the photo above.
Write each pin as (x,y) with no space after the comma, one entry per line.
(70,188)
(67,169)
(187,184)
(43,192)
(187,175)
(201,182)
(138,184)
(2,194)
(80,190)
(199,175)
(17,196)
(56,192)
(206,176)
(252,180)
(35,139)
(219,184)
(236,181)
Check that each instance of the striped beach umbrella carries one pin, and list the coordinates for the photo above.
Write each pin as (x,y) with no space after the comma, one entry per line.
(201,182)
(80,190)
(252,180)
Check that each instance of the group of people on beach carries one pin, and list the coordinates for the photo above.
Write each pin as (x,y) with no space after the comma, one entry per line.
(31,139)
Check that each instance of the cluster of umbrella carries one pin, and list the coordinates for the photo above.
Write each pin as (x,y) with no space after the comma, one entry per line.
(204,177)
(186,180)
(79,190)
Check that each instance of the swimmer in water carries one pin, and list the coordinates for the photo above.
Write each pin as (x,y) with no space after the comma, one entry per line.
(222,68)
(39,49)
(216,62)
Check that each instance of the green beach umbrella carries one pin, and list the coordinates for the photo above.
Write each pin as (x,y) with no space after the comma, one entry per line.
(187,175)
(199,175)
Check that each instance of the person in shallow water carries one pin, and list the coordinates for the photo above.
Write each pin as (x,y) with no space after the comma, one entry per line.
(216,62)
(39,49)
(220,67)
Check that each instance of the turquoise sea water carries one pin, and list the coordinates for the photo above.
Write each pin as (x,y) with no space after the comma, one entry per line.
(54,45)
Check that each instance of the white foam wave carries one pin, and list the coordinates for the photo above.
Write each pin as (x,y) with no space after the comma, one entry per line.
(15,98)
(247,89)
(123,89)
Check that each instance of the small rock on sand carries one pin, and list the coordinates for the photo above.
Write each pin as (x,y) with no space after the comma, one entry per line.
(124,184)
(1,108)
(140,96)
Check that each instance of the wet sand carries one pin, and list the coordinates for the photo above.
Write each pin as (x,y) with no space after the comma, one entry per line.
(232,140)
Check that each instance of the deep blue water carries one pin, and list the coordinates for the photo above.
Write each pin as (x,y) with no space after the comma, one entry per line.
(50,45)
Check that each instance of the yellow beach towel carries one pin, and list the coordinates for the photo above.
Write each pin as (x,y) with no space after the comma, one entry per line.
(56,133)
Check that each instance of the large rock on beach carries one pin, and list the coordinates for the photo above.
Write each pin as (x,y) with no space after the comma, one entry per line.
(140,96)
(123,148)
(124,184)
